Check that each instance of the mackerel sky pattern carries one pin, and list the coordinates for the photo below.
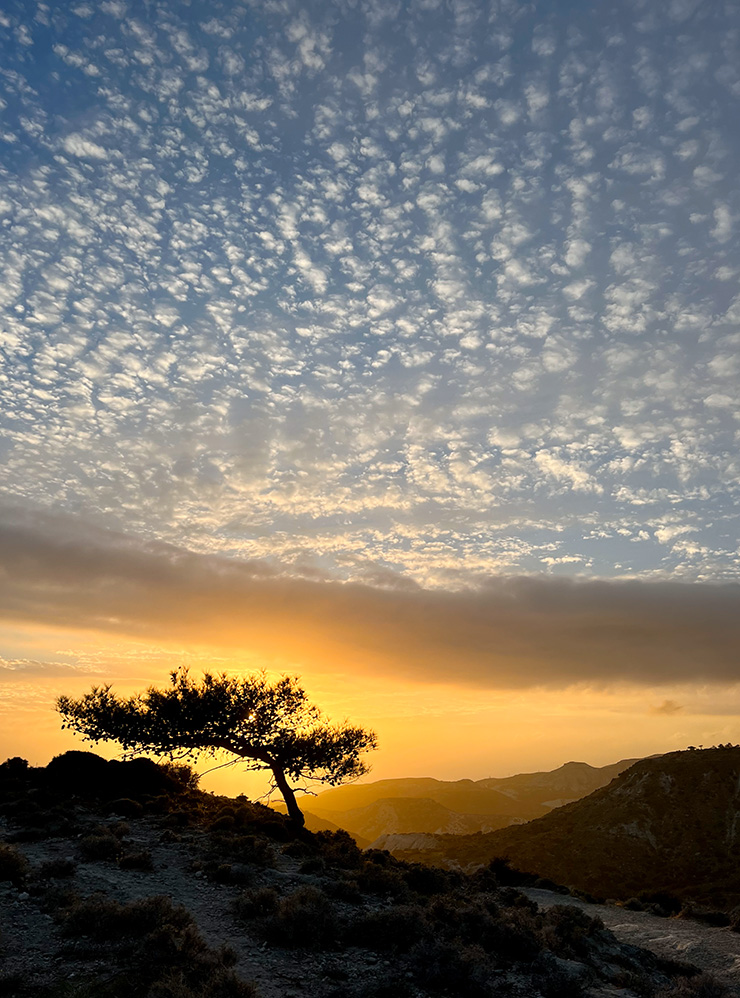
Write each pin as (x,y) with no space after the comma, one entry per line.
(377,288)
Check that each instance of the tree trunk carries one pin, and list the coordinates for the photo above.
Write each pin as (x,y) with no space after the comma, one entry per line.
(294,812)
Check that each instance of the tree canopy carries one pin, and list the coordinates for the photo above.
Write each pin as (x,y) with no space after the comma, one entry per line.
(271,725)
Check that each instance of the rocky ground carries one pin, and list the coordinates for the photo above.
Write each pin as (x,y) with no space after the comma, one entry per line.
(713,950)
(192,896)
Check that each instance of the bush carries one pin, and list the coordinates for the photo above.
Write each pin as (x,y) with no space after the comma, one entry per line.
(101,919)
(14,769)
(375,877)
(157,948)
(256,903)
(391,929)
(240,847)
(339,849)
(507,875)
(429,880)
(57,869)
(13,864)
(305,918)
(567,929)
(459,970)
(700,986)
(184,777)
(78,772)
(343,890)
(99,845)
(141,860)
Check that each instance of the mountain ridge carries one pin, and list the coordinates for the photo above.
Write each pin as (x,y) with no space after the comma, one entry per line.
(470,805)
(667,824)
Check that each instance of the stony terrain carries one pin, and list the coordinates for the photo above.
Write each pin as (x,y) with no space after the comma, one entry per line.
(715,950)
(179,894)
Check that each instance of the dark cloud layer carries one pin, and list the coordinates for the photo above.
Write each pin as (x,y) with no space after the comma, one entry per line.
(506,632)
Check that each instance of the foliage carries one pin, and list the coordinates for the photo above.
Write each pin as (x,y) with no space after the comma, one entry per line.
(13,864)
(270,725)
(305,918)
(157,948)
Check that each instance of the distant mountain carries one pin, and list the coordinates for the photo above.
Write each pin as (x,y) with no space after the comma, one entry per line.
(568,783)
(393,815)
(425,805)
(669,824)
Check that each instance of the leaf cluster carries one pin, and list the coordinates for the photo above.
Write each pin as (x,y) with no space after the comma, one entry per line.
(266,723)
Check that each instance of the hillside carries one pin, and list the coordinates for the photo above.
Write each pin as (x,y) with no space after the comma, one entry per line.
(669,824)
(465,796)
(456,807)
(168,892)
(393,815)
(560,786)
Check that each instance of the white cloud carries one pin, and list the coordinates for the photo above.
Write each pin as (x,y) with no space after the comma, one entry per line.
(78,145)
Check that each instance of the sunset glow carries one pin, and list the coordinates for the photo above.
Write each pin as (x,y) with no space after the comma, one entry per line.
(395,345)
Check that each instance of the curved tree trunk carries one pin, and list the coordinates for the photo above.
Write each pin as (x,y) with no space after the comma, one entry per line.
(294,812)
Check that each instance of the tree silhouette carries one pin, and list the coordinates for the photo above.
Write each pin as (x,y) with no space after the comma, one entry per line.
(271,725)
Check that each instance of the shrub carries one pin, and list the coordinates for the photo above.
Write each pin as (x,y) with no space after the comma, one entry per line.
(305,918)
(157,948)
(99,845)
(256,903)
(184,777)
(507,875)
(13,864)
(57,869)
(141,860)
(78,772)
(567,929)
(391,929)
(104,920)
(634,904)
(700,986)
(344,890)
(375,878)
(243,848)
(339,848)
(15,768)
(313,865)
(459,970)
(429,880)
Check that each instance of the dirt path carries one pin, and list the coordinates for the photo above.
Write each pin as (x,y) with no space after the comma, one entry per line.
(716,951)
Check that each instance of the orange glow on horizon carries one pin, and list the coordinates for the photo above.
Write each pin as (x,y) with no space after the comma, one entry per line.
(443,730)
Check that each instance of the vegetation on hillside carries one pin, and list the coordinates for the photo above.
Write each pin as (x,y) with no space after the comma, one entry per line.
(667,826)
(351,924)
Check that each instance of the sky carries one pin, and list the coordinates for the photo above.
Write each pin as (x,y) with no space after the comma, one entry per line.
(392,343)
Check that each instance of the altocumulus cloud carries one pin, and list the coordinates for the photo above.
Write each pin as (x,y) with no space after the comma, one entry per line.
(505,632)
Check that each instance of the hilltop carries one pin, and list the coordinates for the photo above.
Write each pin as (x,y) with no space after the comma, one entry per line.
(123,880)
(369,811)
(669,824)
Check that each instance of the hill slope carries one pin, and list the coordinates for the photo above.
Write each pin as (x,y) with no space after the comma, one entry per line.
(669,824)
(569,782)
(93,905)
(460,806)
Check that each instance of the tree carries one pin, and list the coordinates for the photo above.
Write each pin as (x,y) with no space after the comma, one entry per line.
(271,725)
